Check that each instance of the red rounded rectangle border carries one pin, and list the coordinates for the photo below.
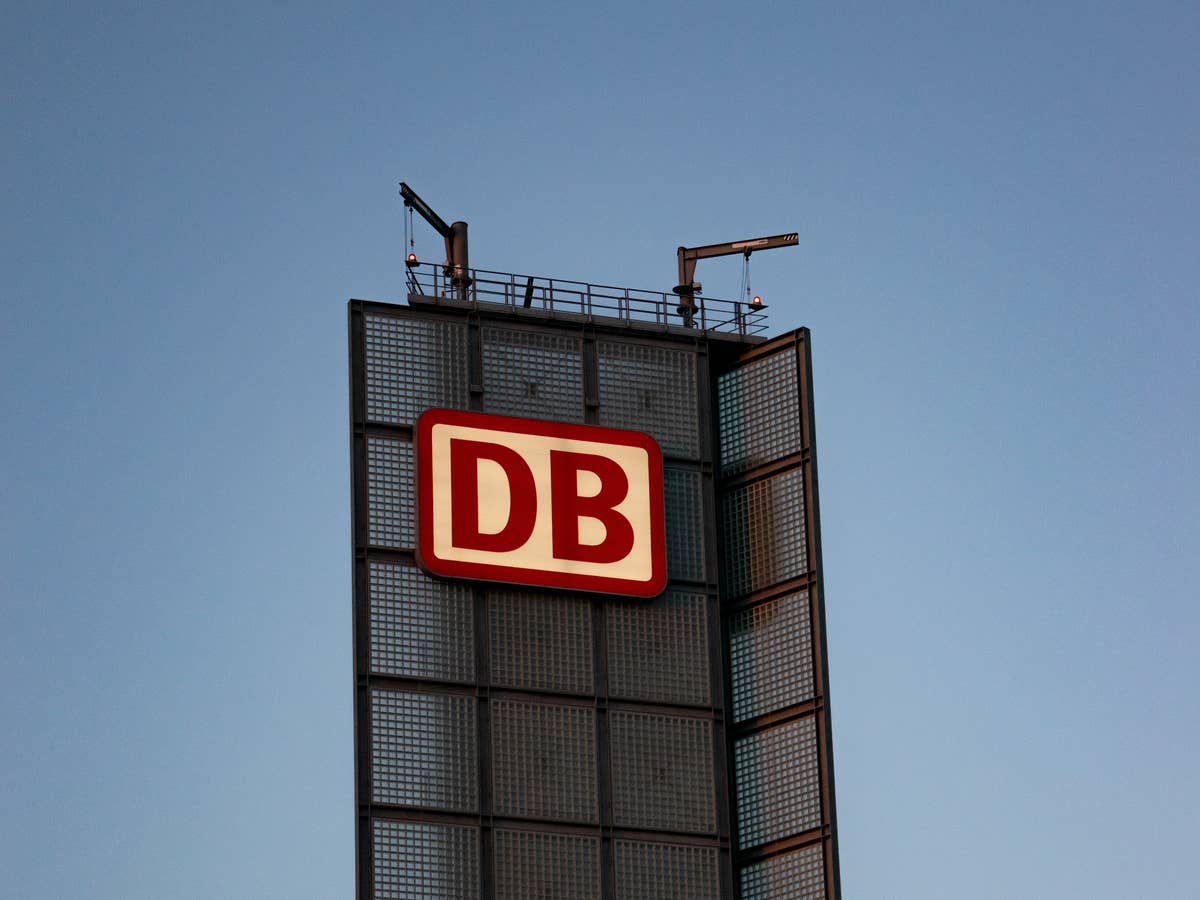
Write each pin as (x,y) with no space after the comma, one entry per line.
(533,443)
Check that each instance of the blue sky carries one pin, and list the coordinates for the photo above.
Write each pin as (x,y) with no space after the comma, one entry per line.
(998,259)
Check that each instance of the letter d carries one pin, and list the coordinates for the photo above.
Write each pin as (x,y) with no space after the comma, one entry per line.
(464,497)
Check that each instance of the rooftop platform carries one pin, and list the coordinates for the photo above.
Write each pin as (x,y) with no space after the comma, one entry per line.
(601,304)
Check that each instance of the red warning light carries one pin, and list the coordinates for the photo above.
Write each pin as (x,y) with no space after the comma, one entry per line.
(757,301)
(411,260)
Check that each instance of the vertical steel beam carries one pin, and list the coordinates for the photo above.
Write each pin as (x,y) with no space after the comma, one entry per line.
(361,649)
(817,598)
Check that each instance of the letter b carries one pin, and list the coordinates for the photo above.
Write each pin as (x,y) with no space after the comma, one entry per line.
(568,507)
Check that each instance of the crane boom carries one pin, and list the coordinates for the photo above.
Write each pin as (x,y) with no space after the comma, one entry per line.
(455,236)
(686,289)
(411,199)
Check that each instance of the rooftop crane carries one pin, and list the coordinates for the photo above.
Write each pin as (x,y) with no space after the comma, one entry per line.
(455,235)
(688,287)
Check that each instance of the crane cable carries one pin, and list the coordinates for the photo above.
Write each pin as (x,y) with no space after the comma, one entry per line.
(745,288)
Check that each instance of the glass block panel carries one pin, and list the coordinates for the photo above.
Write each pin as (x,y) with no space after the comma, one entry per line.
(533,864)
(770,656)
(414,365)
(765,540)
(651,389)
(684,509)
(416,861)
(758,408)
(391,504)
(423,750)
(799,874)
(658,649)
(662,772)
(420,628)
(538,374)
(541,642)
(778,782)
(649,870)
(544,761)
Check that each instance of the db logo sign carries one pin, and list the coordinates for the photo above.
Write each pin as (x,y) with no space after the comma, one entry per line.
(540,503)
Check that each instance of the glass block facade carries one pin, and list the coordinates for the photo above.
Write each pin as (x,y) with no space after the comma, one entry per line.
(515,743)
(532,864)
(779,735)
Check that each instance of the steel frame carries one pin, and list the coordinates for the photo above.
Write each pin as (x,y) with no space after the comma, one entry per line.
(715,353)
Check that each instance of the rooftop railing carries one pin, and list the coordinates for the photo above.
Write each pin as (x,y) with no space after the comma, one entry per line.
(557,295)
